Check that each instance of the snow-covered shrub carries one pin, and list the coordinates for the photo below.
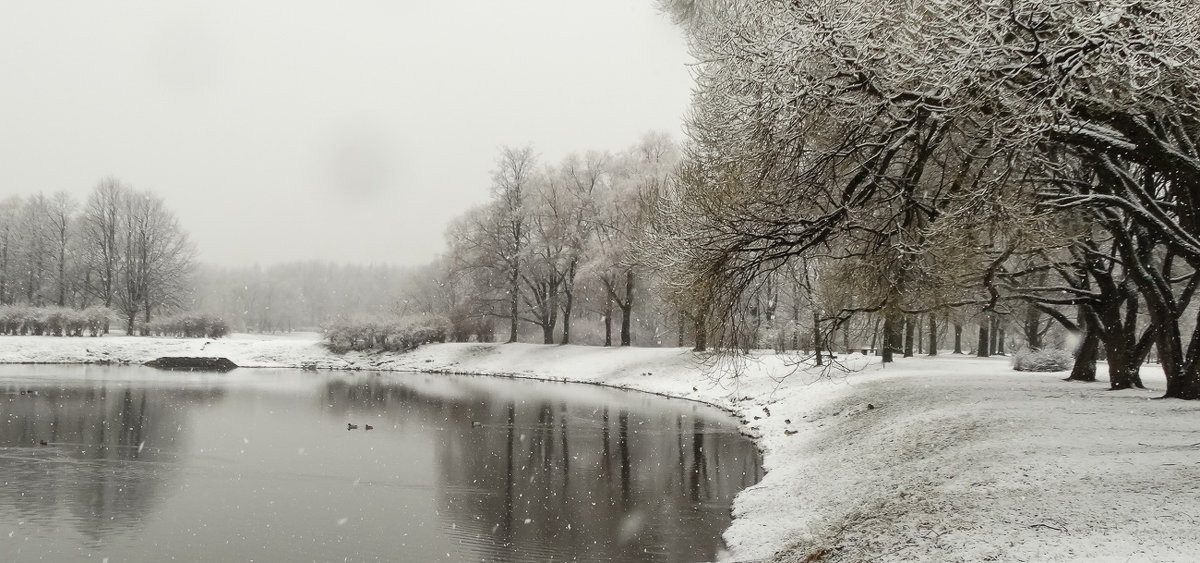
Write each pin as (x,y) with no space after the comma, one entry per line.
(12,319)
(188,326)
(96,319)
(466,325)
(392,335)
(1047,359)
(52,321)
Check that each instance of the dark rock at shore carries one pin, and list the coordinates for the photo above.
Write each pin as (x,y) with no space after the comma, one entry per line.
(192,363)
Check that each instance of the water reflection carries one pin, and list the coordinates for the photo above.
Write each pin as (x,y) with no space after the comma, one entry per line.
(92,430)
(536,478)
(144,466)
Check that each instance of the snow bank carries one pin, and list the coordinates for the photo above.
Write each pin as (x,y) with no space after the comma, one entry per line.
(949,459)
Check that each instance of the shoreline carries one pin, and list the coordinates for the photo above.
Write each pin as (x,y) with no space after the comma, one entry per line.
(946,458)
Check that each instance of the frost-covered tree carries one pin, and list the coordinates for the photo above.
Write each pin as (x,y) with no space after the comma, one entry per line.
(99,225)
(869,123)
(157,257)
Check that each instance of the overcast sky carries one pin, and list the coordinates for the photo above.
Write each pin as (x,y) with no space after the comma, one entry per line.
(350,130)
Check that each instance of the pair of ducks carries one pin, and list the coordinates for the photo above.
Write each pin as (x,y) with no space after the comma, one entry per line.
(355,427)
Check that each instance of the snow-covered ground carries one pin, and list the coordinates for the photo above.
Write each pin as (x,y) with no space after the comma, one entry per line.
(946,459)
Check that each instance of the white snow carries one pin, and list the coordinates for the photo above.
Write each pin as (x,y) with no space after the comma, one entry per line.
(952,458)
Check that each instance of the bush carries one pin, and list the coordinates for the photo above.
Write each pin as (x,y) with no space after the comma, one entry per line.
(391,335)
(1049,359)
(96,319)
(188,326)
(53,321)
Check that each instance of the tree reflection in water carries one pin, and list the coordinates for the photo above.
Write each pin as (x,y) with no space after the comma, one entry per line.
(100,438)
(534,477)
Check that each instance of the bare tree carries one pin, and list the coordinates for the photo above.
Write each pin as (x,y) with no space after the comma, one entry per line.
(156,258)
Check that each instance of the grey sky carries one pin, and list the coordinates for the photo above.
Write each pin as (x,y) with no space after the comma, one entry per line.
(354,130)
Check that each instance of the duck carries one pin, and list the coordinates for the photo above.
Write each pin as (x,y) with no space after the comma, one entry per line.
(476,424)
(368,427)
(351,426)
(43,443)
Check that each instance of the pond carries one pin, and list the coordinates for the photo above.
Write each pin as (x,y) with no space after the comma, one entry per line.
(134,464)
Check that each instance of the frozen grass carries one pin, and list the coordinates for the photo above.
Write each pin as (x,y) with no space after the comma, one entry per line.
(947,459)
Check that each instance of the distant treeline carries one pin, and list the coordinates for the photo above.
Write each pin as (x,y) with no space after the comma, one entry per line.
(298,296)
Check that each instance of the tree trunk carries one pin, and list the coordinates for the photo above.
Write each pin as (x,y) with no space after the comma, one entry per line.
(62,274)
(569,306)
(795,323)
(958,338)
(1182,370)
(514,295)
(1121,374)
(627,311)
(889,338)
(909,333)
(1033,328)
(816,334)
(1085,358)
(875,338)
(983,350)
(920,335)
(933,335)
(993,346)
(608,313)
(700,330)
(566,329)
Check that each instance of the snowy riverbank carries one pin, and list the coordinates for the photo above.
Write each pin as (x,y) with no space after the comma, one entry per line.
(947,459)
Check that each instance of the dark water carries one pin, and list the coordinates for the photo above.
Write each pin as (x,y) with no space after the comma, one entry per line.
(257,465)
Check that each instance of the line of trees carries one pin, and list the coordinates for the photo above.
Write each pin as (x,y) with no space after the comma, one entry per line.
(122,249)
(997,159)
(556,252)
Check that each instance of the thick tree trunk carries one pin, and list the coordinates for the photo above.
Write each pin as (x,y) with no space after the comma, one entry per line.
(909,333)
(933,343)
(514,295)
(889,338)
(1182,370)
(1085,358)
(983,349)
(958,338)
(569,306)
(608,313)
(896,337)
(993,345)
(1000,340)
(1033,328)
(1121,373)
(627,311)
(566,329)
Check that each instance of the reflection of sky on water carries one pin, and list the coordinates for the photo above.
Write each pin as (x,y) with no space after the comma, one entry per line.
(259,464)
